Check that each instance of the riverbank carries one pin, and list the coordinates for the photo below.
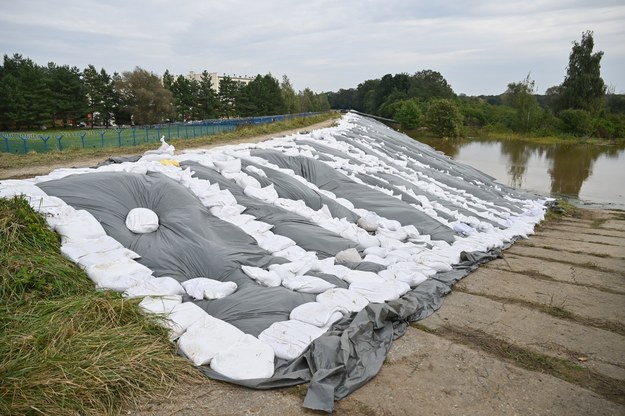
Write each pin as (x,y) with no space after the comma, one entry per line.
(540,331)
(486,134)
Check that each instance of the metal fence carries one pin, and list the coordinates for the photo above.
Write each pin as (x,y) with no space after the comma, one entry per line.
(43,141)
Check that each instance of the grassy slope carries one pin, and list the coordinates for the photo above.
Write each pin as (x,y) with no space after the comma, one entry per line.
(65,348)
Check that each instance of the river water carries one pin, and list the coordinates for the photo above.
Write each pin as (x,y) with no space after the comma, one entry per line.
(584,173)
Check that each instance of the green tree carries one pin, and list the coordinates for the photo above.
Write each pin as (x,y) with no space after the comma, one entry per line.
(520,96)
(68,101)
(444,118)
(408,114)
(261,97)
(583,88)
(291,104)
(148,100)
(207,101)
(428,84)
(228,95)
(184,92)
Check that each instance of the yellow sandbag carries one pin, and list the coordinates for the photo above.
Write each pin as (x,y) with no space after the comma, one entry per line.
(169,162)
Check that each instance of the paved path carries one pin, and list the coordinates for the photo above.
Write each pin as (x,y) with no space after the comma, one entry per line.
(539,332)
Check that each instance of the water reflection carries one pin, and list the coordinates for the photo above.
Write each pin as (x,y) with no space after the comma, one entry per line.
(593,172)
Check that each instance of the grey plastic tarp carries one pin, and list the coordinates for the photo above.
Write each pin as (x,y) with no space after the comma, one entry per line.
(191,242)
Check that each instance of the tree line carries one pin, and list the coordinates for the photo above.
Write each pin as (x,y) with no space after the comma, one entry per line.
(35,96)
(582,105)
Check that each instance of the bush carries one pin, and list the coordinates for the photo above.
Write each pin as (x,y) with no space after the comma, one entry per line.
(576,122)
(408,114)
(444,118)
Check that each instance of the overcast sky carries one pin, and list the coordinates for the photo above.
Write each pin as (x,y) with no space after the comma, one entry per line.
(478,46)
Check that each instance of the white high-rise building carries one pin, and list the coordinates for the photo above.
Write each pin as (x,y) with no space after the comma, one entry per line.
(215,78)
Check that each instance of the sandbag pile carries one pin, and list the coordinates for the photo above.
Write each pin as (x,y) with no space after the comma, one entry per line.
(271,263)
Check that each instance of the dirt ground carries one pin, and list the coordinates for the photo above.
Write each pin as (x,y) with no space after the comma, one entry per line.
(539,332)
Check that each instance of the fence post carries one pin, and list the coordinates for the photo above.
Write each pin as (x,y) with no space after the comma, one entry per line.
(178,130)
(147,137)
(82,138)
(6,143)
(25,144)
(169,131)
(102,133)
(158,131)
(134,136)
(193,130)
(58,140)
(119,137)
(45,142)
(186,131)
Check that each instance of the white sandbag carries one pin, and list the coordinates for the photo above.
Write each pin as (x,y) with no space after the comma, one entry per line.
(372,258)
(306,284)
(160,305)
(238,220)
(319,314)
(204,288)
(350,255)
(181,317)
(266,194)
(411,277)
(367,225)
(247,359)
(224,211)
(76,250)
(229,166)
(293,268)
(82,226)
(258,171)
(390,225)
(256,227)
(353,276)
(262,276)
(142,220)
(110,256)
(293,253)
(289,339)
(344,298)
(220,198)
(380,292)
(122,266)
(207,337)
(274,242)
(157,286)
(244,181)
(120,283)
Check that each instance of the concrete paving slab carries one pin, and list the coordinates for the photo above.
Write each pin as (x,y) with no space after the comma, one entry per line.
(613,225)
(606,263)
(589,231)
(568,273)
(429,375)
(577,246)
(589,238)
(580,300)
(534,330)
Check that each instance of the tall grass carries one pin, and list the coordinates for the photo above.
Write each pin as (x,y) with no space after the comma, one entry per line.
(65,348)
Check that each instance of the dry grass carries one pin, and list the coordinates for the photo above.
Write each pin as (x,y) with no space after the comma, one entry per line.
(64,348)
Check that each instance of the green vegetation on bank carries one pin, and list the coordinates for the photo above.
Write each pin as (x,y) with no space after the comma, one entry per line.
(9,160)
(581,107)
(65,348)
